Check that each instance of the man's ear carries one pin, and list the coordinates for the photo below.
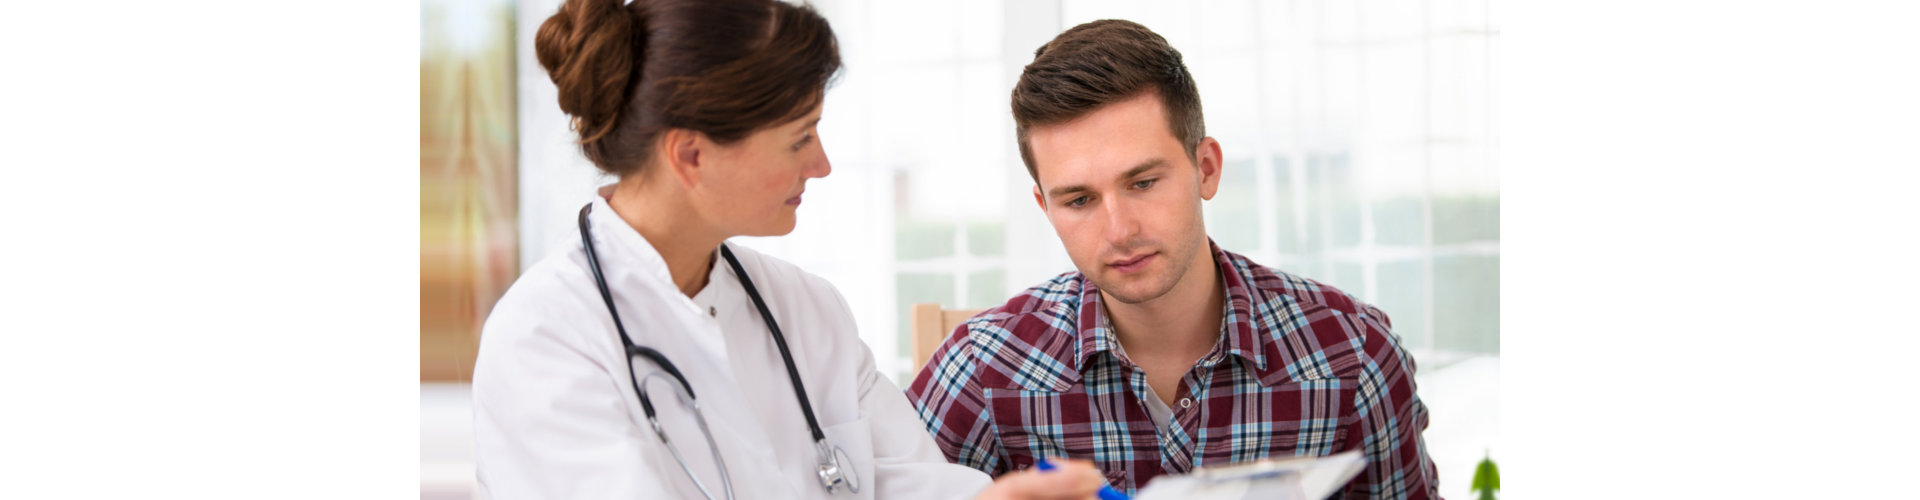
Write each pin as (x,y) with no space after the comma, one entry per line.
(1038,199)
(681,152)
(1207,154)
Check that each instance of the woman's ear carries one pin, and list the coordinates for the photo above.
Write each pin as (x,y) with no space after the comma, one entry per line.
(681,152)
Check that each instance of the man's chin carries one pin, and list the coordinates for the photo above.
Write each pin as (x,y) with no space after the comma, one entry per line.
(1133,291)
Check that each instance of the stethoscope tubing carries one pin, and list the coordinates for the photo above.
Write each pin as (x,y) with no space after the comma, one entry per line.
(829,464)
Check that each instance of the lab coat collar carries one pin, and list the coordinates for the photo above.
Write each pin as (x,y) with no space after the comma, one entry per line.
(623,251)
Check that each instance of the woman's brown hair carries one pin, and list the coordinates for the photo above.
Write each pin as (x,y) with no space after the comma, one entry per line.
(1099,63)
(725,68)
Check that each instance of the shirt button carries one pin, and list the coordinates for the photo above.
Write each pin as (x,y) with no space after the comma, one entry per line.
(712,312)
(1186,403)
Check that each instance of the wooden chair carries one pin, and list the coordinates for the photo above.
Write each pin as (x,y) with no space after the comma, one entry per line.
(931,324)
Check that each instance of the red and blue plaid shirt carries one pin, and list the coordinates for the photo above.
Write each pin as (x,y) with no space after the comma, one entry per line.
(1301,370)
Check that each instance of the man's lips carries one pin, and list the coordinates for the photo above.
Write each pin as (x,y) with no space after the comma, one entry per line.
(1132,264)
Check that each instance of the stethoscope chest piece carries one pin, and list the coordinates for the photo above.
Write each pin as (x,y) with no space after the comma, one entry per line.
(832,475)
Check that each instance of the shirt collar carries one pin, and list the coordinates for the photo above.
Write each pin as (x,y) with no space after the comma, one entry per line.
(1096,333)
(1242,336)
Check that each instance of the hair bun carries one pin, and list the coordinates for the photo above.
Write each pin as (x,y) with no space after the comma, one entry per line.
(591,51)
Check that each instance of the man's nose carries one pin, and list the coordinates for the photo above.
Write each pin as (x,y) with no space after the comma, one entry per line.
(1122,225)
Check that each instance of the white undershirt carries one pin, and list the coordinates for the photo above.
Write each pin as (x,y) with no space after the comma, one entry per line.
(1162,415)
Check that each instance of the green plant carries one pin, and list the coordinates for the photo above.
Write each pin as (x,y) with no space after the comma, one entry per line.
(1486,479)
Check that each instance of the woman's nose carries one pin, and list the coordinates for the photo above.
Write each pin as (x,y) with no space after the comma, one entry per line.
(821,166)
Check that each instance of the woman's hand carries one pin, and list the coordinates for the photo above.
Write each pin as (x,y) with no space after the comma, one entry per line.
(1070,480)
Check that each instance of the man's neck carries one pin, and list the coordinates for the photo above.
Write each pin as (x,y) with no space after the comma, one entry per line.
(1182,324)
(662,217)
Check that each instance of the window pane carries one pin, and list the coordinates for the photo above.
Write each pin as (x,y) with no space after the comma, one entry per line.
(1400,220)
(1291,227)
(914,288)
(1403,296)
(987,239)
(1234,221)
(986,289)
(918,238)
(1347,277)
(1466,218)
(1467,303)
(1332,193)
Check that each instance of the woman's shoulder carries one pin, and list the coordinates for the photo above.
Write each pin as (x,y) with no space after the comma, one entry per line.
(537,283)
(769,271)
(553,299)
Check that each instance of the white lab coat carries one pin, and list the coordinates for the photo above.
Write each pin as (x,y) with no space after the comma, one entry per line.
(555,415)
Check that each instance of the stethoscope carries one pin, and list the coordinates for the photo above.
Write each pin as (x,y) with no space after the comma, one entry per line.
(832,476)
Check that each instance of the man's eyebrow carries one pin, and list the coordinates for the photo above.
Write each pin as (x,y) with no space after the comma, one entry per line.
(1142,168)
(1064,190)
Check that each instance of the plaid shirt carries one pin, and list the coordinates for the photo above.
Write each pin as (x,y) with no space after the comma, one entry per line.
(1302,369)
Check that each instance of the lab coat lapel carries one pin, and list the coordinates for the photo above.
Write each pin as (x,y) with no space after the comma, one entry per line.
(657,315)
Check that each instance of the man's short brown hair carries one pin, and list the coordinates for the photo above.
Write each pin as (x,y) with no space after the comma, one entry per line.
(1099,63)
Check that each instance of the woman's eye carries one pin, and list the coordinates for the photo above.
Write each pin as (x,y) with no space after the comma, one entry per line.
(803,142)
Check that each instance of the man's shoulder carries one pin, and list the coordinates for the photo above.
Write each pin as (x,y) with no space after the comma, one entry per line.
(1028,342)
(1273,286)
(1058,296)
(1308,329)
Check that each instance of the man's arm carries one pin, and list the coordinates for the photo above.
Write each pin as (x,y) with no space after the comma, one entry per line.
(1389,418)
(948,397)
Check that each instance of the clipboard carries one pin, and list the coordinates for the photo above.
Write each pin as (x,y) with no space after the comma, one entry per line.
(1298,478)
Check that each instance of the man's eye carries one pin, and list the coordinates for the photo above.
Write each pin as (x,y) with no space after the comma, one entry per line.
(1145,184)
(1077,202)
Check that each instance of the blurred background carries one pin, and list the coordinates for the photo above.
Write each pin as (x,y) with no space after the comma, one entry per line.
(1360,149)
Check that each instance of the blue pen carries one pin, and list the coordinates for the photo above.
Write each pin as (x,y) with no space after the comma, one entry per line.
(1106,491)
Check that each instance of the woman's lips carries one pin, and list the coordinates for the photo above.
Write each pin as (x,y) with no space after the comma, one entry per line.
(795,200)
(1133,264)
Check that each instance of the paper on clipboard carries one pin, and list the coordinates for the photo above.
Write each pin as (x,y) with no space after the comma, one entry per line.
(1303,478)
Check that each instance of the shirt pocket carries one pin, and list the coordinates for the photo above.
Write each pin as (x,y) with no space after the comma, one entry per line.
(1306,418)
(852,443)
(1035,424)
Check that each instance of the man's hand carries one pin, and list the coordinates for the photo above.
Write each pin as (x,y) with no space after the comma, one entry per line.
(1070,480)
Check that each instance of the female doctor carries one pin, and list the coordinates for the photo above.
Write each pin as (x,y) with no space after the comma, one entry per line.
(653,359)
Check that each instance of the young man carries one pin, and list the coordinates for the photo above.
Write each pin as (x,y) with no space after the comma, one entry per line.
(1164,352)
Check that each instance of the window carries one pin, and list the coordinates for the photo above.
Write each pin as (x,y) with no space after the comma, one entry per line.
(1358,137)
